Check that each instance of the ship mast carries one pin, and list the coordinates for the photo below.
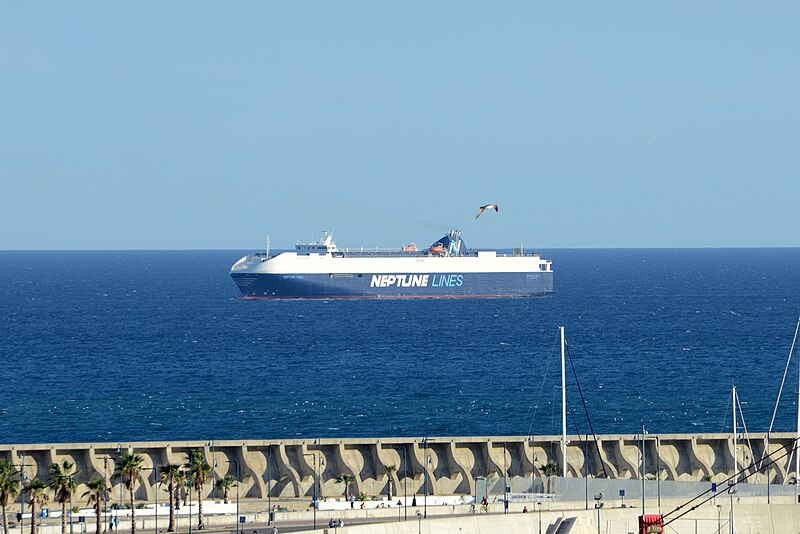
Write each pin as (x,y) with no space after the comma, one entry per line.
(797,439)
(735,438)
(563,406)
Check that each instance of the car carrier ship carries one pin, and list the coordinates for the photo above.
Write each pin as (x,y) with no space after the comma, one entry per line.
(445,269)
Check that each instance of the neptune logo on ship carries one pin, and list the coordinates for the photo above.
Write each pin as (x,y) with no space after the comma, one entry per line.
(416,280)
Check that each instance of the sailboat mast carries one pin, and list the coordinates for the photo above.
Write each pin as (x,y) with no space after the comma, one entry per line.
(735,438)
(564,406)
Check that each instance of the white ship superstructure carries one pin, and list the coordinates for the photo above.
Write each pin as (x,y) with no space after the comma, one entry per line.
(445,269)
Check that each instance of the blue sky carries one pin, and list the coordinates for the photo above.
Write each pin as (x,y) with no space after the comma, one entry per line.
(210,125)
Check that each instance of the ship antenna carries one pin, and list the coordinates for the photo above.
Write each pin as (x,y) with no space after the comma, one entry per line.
(267,245)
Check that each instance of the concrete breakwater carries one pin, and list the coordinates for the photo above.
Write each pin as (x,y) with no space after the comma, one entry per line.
(288,468)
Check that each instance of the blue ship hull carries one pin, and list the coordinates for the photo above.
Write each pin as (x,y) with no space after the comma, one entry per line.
(432,285)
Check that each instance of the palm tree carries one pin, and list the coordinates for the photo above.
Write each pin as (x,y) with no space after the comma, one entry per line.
(199,471)
(346,480)
(9,488)
(169,473)
(96,494)
(180,485)
(62,484)
(225,484)
(390,469)
(129,469)
(37,493)
(549,470)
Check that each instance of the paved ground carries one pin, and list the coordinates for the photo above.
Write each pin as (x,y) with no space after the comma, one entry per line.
(250,528)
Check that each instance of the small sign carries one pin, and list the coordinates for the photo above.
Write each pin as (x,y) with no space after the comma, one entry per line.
(714,487)
(81,519)
(45,512)
(622,493)
(242,519)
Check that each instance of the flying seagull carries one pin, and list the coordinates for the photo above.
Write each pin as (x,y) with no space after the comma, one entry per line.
(487,207)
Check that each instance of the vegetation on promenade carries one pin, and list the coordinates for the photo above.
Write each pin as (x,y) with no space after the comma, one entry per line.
(549,470)
(345,479)
(36,490)
(169,474)
(96,497)
(390,470)
(9,487)
(225,484)
(199,471)
(129,470)
(62,483)
(63,479)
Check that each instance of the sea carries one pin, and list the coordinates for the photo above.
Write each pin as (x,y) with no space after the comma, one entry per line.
(156,345)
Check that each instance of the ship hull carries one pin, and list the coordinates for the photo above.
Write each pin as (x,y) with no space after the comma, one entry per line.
(382,285)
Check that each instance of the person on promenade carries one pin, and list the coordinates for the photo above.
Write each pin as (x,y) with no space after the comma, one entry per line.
(352,501)
(525,510)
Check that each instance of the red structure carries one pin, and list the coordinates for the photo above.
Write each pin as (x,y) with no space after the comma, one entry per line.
(651,524)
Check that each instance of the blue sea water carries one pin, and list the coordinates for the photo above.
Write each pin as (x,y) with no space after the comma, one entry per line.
(154,345)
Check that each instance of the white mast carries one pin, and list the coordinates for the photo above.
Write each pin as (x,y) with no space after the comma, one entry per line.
(563,406)
(735,440)
(797,441)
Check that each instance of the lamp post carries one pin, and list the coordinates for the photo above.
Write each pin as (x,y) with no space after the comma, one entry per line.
(22,465)
(425,472)
(191,485)
(210,444)
(419,523)
(119,450)
(405,484)
(505,481)
(586,472)
(643,471)
(598,504)
(70,504)
(719,519)
(105,491)
(731,492)
(316,480)
(236,461)
(539,504)
(269,486)
(154,469)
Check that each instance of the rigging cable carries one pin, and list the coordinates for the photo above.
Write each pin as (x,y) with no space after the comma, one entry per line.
(725,417)
(586,411)
(785,371)
(744,424)
(780,391)
(726,482)
(541,388)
